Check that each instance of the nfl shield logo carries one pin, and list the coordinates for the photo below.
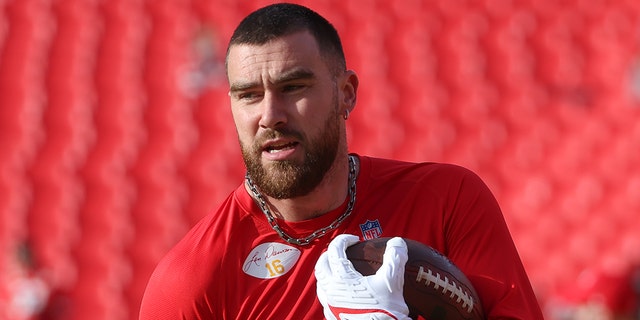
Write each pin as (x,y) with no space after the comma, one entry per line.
(371,229)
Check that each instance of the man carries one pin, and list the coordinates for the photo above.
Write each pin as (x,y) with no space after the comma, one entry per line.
(254,258)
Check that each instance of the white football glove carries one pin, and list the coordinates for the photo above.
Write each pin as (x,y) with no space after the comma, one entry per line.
(346,294)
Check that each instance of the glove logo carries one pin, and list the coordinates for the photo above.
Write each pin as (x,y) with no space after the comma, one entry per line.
(270,260)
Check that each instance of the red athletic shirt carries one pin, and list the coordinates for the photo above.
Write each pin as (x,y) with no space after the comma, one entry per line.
(232,265)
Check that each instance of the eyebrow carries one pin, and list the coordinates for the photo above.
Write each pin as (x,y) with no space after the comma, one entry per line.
(294,74)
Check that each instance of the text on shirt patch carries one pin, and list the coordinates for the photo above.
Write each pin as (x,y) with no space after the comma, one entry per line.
(270,260)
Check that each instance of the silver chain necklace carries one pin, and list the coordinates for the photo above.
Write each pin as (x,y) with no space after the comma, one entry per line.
(262,203)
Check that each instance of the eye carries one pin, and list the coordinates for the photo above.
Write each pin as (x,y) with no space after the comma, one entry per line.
(249,96)
(293,87)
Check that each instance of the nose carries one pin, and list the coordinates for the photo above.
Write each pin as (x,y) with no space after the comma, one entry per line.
(273,111)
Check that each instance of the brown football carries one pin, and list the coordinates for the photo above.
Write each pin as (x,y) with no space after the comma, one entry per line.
(434,288)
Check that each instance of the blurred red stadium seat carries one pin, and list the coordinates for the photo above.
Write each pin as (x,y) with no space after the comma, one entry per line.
(107,155)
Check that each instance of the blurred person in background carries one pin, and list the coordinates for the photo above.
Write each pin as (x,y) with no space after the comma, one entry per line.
(27,291)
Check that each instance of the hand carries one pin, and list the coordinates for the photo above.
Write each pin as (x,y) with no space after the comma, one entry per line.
(346,294)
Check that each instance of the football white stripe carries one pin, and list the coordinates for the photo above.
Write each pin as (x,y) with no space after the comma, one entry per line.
(438,282)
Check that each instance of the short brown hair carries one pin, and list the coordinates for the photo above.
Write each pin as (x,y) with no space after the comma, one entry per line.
(282,19)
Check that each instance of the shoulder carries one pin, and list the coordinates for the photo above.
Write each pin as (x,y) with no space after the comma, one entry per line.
(187,272)
(207,240)
(403,171)
(447,186)
(176,284)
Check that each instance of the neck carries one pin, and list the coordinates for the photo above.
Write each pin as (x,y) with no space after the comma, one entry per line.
(327,196)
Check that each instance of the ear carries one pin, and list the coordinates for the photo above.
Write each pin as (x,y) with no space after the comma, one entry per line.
(349,90)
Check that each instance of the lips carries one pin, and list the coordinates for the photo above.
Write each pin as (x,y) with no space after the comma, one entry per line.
(284,144)
(277,147)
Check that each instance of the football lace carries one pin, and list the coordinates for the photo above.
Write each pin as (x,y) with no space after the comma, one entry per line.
(442,283)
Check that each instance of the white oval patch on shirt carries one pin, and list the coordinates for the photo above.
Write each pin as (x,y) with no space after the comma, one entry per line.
(270,260)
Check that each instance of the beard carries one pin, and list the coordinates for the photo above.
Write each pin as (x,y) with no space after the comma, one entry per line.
(289,179)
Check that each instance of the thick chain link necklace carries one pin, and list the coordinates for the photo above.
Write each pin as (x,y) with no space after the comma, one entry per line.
(262,203)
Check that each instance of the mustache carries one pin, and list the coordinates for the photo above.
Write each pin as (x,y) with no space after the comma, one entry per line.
(270,134)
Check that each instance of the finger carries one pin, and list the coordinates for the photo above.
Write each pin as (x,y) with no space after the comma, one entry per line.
(338,246)
(398,247)
(322,268)
(322,272)
(393,262)
(337,256)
